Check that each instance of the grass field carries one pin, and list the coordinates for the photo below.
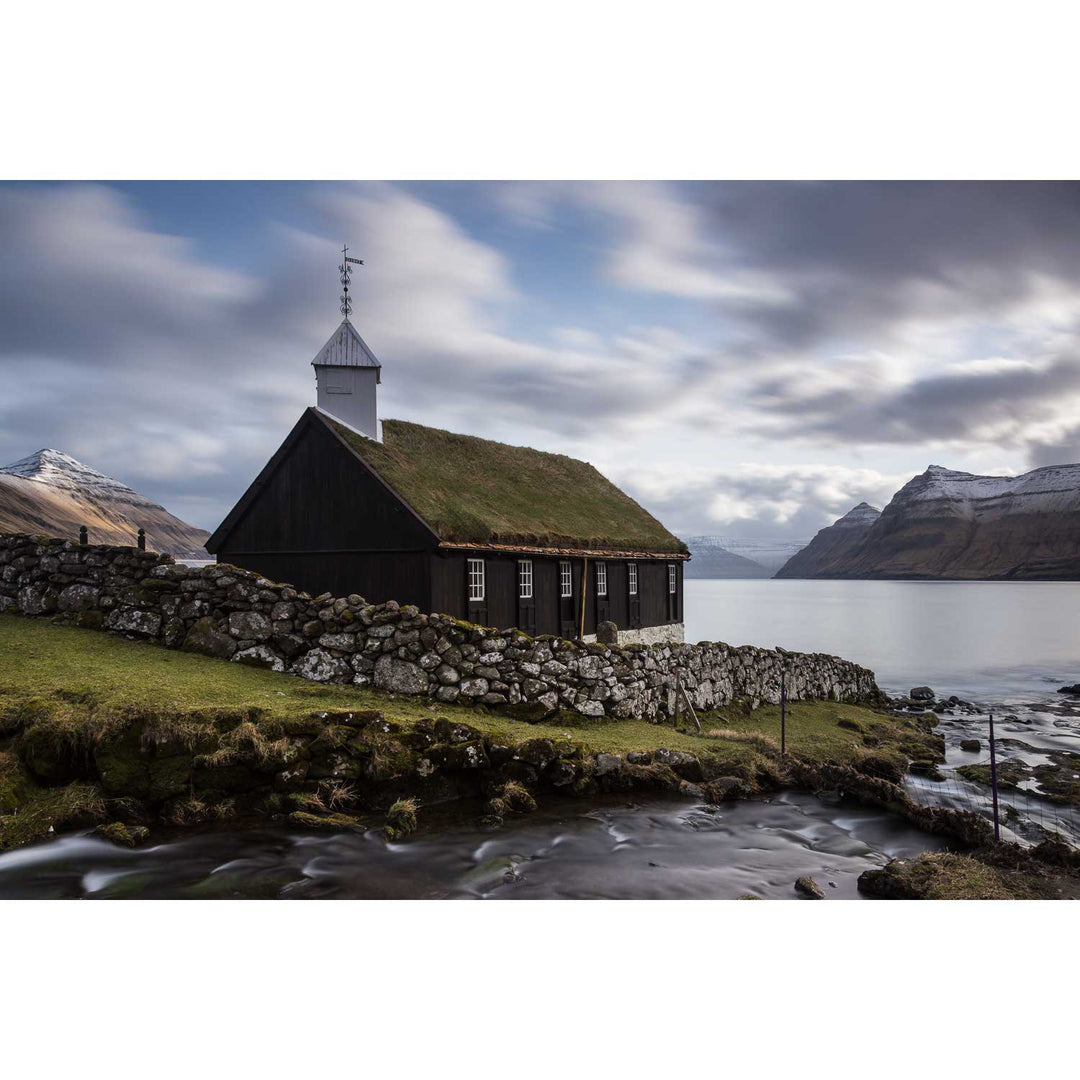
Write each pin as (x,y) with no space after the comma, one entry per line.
(68,669)
(66,691)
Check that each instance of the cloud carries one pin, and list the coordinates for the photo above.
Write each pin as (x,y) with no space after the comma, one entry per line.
(798,324)
(182,378)
(1028,406)
(759,499)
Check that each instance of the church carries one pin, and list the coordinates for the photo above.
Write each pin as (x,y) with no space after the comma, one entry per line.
(498,535)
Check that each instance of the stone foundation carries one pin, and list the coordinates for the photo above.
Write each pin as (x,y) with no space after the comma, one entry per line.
(236,615)
(665,634)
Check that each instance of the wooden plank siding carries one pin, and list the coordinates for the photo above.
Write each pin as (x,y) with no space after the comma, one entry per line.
(449,593)
(322,522)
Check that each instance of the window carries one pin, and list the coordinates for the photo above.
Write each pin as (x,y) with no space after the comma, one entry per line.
(631,576)
(525,579)
(601,579)
(672,578)
(566,579)
(476,579)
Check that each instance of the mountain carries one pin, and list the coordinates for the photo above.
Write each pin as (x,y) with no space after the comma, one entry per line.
(767,552)
(830,553)
(50,492)
(710,560)
(948,524)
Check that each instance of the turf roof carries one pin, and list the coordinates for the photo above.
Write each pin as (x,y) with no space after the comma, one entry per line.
(472,490)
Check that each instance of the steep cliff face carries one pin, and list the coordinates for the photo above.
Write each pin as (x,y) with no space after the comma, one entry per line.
(53,494)
(830,553)
(947,524)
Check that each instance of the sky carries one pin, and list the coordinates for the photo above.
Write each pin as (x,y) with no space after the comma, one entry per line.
(747,359)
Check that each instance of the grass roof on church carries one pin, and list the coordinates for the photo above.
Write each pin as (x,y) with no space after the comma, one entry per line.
(472,490)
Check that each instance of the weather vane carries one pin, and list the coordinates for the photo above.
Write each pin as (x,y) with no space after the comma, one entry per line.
(345,269)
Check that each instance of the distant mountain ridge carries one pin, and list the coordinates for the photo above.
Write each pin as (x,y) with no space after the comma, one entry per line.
(51,492)
(721,557)
(957,525)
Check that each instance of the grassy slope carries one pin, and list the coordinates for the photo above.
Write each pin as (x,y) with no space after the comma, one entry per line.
(82,687)
(480,491)
(70,668)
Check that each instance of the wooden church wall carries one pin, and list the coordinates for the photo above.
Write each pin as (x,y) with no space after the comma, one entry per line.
(321,499)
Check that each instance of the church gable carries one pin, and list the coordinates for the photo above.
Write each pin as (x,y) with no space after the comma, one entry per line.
(315,496)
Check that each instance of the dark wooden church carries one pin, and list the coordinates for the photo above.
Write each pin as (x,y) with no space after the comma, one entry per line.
(499,535)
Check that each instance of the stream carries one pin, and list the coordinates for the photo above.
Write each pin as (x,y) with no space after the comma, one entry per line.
(649,849)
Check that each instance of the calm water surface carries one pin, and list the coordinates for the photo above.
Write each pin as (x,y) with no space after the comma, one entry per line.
(990,640)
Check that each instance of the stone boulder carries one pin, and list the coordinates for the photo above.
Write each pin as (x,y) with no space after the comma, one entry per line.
(607,633)
(319,666)
(250,625)
(921,693)
(809,888)
(260,656)
(400,676)
(78,598)
(204,637)
(133,621)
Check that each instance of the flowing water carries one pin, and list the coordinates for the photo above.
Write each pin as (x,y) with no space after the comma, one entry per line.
(1005,646)
(653,849)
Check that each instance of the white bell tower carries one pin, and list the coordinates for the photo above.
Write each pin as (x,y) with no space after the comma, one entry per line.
(347,372)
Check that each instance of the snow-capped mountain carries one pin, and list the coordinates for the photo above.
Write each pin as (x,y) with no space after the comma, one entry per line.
(948,524)
(831,551)
(50,492)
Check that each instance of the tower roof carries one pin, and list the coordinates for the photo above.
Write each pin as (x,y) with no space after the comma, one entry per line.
(346,348)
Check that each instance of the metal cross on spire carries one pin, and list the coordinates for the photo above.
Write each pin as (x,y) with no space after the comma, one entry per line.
(345,269)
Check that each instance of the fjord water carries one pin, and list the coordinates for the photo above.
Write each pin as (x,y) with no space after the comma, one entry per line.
(992,641)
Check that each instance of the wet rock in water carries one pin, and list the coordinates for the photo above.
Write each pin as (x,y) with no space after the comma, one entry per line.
(971,744)
(809,888)
(1074,689)
(921,693)
(124,835)
(1012,718)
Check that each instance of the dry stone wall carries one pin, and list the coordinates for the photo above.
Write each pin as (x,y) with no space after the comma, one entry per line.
(236,615)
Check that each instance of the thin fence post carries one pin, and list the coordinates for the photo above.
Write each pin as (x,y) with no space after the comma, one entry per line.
(993,780)
(84,536)
(783,713)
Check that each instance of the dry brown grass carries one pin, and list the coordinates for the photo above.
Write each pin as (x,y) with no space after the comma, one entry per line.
(764,743)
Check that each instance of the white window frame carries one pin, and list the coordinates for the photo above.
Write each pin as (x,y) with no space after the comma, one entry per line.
(601,579)
(631,577)
(525,579)
(566,579)
(477,580)
(672,578)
